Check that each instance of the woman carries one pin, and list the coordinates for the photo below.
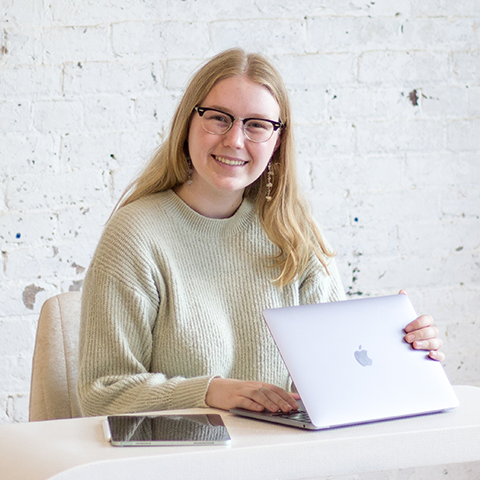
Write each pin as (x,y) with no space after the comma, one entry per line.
(213,232)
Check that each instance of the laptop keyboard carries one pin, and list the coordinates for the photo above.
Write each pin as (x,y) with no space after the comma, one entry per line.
(299,415)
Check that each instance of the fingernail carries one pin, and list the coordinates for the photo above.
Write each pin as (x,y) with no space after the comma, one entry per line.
(410,338)
(419,344)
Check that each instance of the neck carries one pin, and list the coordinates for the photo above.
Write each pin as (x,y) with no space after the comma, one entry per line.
(221,205)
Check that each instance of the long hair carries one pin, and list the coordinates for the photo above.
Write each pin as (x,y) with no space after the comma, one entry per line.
(285,219)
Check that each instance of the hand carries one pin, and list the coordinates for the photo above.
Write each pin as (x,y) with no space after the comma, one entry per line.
(423,335)
(227,393)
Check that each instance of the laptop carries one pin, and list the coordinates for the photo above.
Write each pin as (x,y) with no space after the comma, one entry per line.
(350,364)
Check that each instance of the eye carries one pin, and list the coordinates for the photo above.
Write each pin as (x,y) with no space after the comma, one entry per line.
(256,124)
(216,117)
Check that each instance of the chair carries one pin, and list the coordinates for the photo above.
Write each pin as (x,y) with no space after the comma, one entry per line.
(53,392)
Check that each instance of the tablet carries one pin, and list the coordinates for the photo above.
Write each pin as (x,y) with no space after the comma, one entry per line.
(152,430)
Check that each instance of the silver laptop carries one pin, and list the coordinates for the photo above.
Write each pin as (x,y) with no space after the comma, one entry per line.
(350,364)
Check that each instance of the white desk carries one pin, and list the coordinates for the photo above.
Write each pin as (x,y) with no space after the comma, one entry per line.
(75,449)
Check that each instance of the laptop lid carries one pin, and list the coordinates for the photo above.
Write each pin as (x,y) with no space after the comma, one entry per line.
(350,364)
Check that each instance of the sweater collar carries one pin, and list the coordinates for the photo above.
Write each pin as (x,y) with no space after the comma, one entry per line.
(192,220)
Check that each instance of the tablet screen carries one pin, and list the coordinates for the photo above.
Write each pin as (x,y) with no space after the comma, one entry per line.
(140,430)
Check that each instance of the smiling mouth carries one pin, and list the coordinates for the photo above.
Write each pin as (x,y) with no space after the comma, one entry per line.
(228,161)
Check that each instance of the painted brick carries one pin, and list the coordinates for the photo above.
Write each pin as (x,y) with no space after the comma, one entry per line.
(3,183)
(368,102)
(16,335)
(152,40)
(109,77)
(445,8)
(76,44)
(108,113)
(466,66)
(343,33)
(331,137)
(460,202)
(15,371)
(463,336)
(459,170)
(284,35)
(63,116)
(463,135)
(307,105)
(449,238)
(449,101)
(76,188)
(28,12)
(410,135)
(21,298)
(22,45)
(336,7)
(319,70)
(178,72)
(92,12)
(330,210)
(406,206)
(15,407)
(106,151)
(82,226)
(381,174)
(20,153)
(27,229)
(48,262)
(32,80)
(15,116)
(416,272)
(155,112)
(122,178)
(400,67)
(439,33)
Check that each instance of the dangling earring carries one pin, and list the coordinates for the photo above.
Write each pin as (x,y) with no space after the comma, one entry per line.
(269,181)
(190,171)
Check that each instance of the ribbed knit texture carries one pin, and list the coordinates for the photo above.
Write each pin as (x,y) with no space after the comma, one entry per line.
(173,299)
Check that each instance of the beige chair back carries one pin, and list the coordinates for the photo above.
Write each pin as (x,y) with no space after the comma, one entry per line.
(55,360)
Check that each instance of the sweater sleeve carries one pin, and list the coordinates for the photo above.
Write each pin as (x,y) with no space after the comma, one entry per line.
(119,312)
(320,286)
(115,355)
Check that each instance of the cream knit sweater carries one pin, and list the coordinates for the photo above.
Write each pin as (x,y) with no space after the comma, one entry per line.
(173,299)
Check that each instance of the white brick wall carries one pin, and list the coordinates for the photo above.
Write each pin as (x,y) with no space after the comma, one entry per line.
(386,98)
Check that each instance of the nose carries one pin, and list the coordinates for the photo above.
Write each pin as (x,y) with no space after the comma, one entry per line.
(235,137)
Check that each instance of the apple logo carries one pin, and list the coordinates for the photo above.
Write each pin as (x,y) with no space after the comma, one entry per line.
(362,357)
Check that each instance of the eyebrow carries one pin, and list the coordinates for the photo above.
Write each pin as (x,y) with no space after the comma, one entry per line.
(227,110)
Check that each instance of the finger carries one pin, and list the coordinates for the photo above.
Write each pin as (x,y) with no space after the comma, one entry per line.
(435,355)
(275,398)
(433,344)
(422,334)
(264,396)
(289,398)
(249,404)
(402,292)
(421,322)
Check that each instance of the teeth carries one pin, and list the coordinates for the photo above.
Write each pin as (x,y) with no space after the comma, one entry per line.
(227,161)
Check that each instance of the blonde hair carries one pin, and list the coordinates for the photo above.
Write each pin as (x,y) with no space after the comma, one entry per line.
(285,219)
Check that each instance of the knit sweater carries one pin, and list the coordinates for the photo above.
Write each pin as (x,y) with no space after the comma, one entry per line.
(173,299)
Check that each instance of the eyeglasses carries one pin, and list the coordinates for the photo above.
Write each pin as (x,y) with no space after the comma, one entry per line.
(217,122)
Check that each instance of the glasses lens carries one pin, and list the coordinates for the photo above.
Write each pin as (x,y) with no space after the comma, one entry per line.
(258,130)
(216,122)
